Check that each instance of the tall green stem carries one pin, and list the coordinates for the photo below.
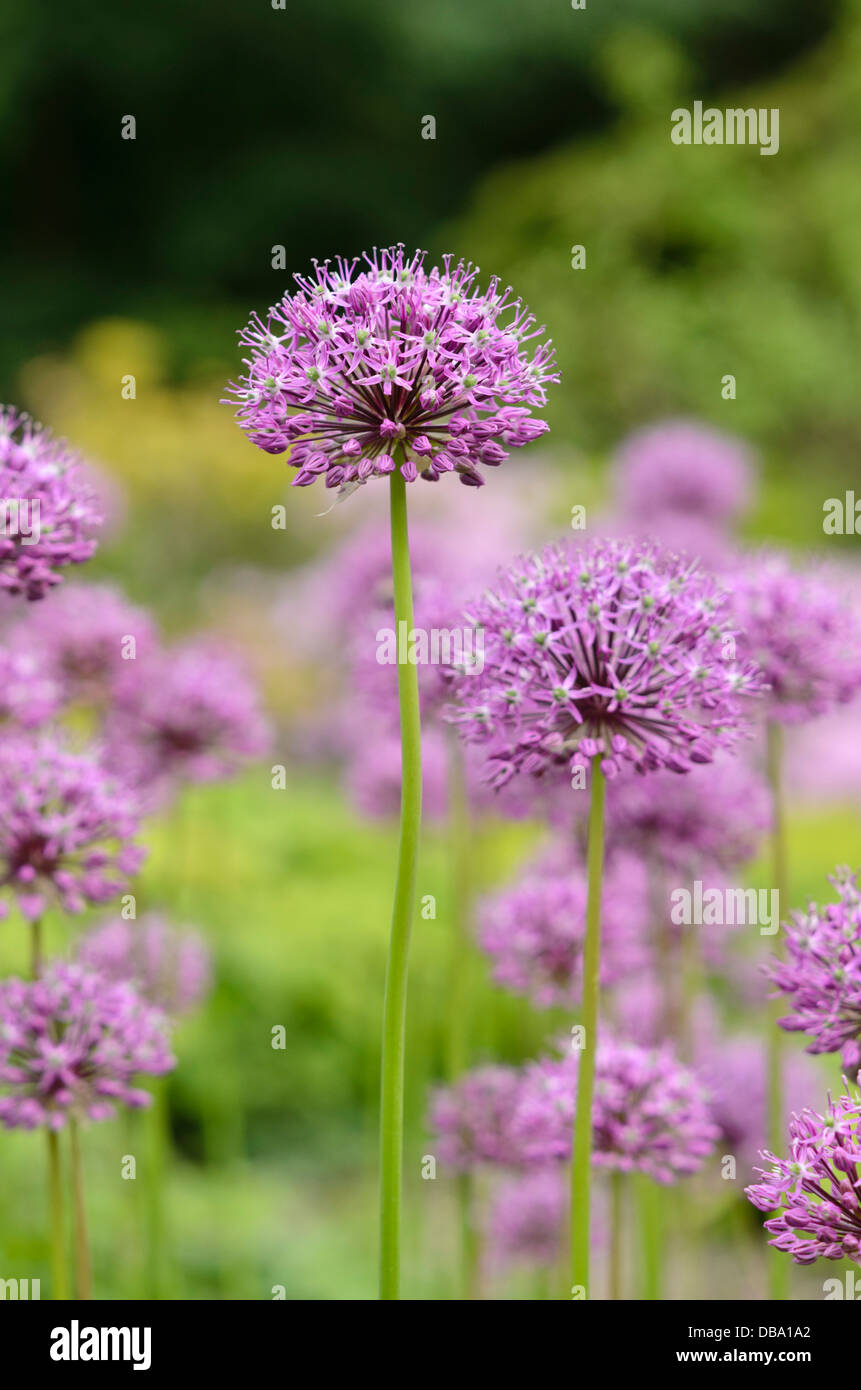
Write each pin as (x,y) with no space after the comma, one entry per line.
(457,1031)
(617,1216)
(779,1265)
(83,1279)
(59,1282)
(650,1203)
(395,1006)
(582,1154)
(156,1122)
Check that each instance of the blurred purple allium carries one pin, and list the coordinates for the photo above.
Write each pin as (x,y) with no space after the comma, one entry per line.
(817,1190)
(50,513)
(66,827)
(734,1069)
(30,693)
(373,772)
(534,931)
(821,974)
(169,967)
(801,631)
(360,364)
(650,1114)
(87,633)
(685,469)
(528,1218)
(71,1045)
(191,713)
(619,649)
(714,817)
(472,1118)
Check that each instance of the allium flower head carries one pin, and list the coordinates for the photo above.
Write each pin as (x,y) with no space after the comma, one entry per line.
(57,512)
(191,713)
(71,1045)
(713,818)
(821,974)
(170,968)
(473,1118)
(365,368)
(66,827)
(30,693)
(534,931)
(803,634)
(527,1222)
(817,1190)
(683,468)
(87,632)
(650,1114)
(619,649)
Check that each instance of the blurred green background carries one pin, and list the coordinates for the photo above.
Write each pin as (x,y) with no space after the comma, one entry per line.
(259,127)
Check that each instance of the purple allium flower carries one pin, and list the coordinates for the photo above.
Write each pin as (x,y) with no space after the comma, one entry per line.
(362,370)
(71,1045)
(824,757)
(734,1069)
(66,827)
(619,649)
(535,930)
(170,968)
(30,693)
(50,512)
(91,634)
(712,818)
(190,713)
(683,468)
(650,1114)
(472,1118)
(822,972)
(528,1218)
(817,1190)
(803,634)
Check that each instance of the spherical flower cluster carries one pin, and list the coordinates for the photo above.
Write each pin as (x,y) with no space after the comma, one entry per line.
(170,969)
(90,634)
(66,827)
(535,930)
(683,469)
(817,1190)
(620,649)
(712,818)
(650,1114)
(191,713)
(821,973)
(364,370)
(30,693)
(472,1118)
(802,633)
(50,513)
(71,1045)
(527,1222)
(734,1070)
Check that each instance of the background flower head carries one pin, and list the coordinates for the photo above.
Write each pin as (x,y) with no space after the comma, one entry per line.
(168,966)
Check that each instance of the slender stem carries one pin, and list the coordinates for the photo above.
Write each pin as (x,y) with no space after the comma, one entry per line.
(395,1005)
(156,1123)
(457,1031)
(650,1202)
(36,948)
(582,1151)
(59,1282)
(470,1245)
(83,1281)
(617,1214)
(779,1265)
